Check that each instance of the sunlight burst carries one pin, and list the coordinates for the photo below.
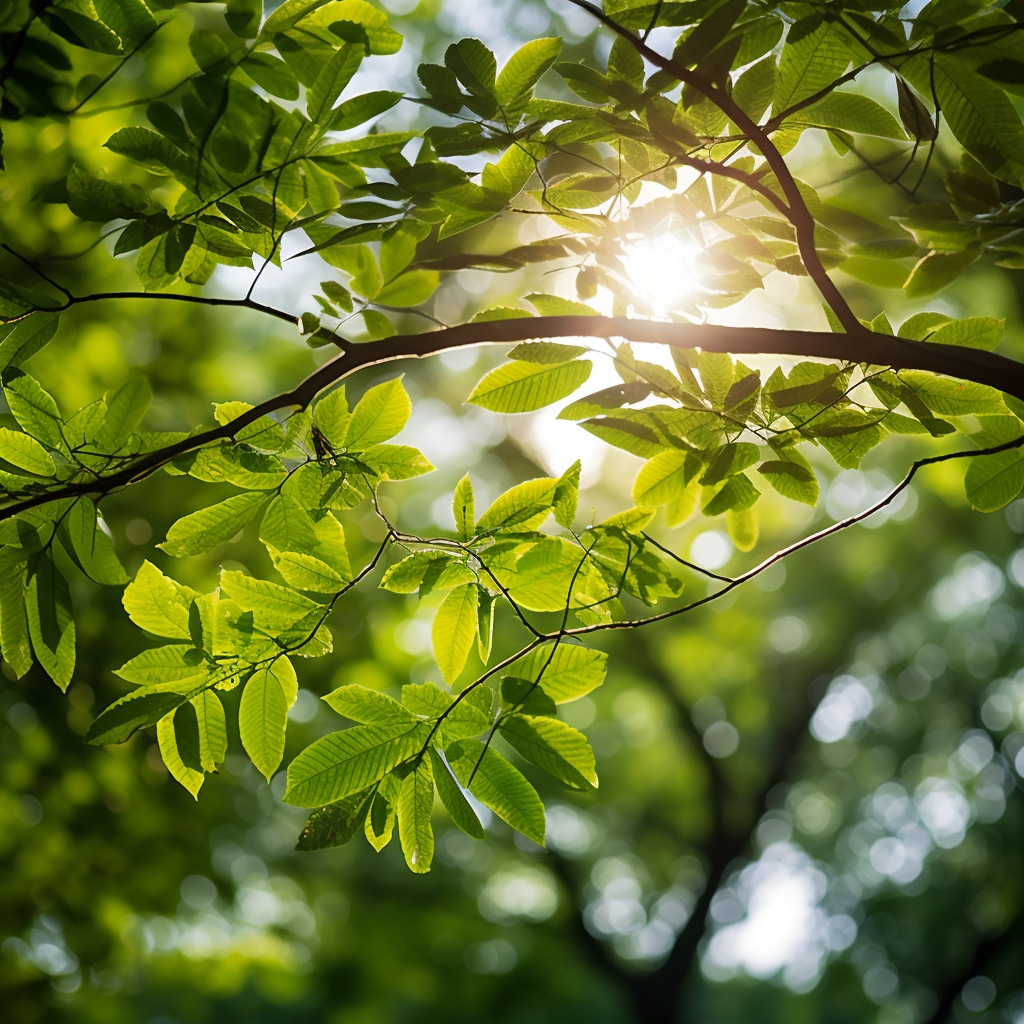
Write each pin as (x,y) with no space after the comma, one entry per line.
(664,269)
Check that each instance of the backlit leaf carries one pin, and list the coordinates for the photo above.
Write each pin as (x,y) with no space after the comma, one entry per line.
(415,804)
(523,387)
(454,630)
(498,785)
(263,714)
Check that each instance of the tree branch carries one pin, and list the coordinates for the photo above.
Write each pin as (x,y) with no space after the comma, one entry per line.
(200,300)
(975,365)
(785,552)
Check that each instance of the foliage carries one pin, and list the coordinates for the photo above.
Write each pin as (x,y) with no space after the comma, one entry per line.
(264,152)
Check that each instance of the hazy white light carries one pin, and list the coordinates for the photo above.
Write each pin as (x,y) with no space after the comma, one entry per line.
(721,739)
(781,924)
(522,892)
(973,585)
(711,549)
(848,701)
(665,269)
(944,810)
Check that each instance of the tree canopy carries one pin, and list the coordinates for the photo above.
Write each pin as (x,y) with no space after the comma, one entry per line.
(622,202)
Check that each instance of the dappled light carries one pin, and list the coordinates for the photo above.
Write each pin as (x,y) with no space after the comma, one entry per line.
(511,511)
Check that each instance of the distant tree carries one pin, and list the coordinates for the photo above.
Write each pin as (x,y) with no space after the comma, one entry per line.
(255,150)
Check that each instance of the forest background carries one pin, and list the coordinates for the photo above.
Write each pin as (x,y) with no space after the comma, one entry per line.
(810,799)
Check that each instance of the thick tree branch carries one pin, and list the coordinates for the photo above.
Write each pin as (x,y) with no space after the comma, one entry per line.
(975,365)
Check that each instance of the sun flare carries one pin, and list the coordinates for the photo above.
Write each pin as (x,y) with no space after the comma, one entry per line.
(664,269)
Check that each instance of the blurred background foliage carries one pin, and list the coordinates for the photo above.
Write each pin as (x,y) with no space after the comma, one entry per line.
(841,741)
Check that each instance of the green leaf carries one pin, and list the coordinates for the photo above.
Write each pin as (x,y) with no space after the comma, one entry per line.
(454,630)
(936,270)
(200,531)
(470,716)
(150,150)
(287,525)
(213,733)
(236,464)
(33,408)
(538,576)
(157,604)
(485,624)
(545,352)
(737,494)
(337,823)
(463,508)
(331,416)
(15,643)
(380,822)
(524,69)
(474,66)
(125,409)
(524,506)
(263,714)
(526,696)
(396,461)
(949,397)
(815,55)
(276,608)
(186,736)
(426,571)
(743,528)
(523,387)
(330,82)
(666,477)
(360,109)
(289,14)
(262,433)
(566,671)
(498,785)
(454,800)
(372,24)
(984,332)
(24,338)
(306,572)
(728,460)
(993,481)
(559,749)
(25,452)
(89,546)
(135,711)
(415,804)
(791,479)
(368,707)
(345,762)
(51,623)
(853,113)
(567,495)
(167,737)
(409,289)
(980,115)
(379,415)
(635,438)
(916,117)
(172,663)
(273,74)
